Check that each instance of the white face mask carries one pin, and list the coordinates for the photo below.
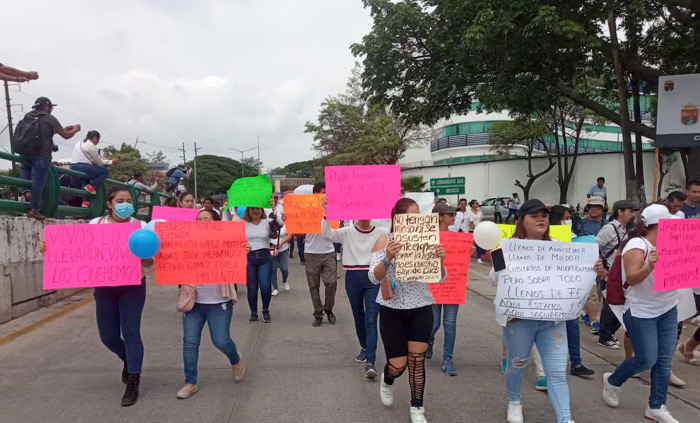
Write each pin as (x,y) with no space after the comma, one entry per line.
(567,222)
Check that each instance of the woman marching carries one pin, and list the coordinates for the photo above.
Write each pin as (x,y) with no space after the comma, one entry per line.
(445,312)
(650,318)
(213,304)
(259,230)
(473,218)
(406,319)
(550,337)
(357,244)
(118,309)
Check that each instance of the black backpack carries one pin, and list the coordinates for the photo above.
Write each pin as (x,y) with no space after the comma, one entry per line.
(170,172)
(27,139)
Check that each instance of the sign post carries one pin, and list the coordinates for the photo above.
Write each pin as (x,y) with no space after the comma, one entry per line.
(448,186)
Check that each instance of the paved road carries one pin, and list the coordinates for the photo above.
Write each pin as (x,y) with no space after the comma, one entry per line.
(60,372)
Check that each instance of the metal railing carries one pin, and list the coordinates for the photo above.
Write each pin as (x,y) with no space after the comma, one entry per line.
(53,201)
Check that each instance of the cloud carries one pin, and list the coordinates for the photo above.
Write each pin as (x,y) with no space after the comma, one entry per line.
(217,72)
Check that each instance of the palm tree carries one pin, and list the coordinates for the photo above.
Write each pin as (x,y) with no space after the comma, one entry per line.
(412,184)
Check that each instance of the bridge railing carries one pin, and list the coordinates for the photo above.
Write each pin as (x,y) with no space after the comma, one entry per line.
(54,202)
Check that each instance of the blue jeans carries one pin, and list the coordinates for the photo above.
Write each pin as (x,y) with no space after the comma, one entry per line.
(300,247)
(97,173)
(511,212)
(118,311)
(449,321)
(281,262)
(219,318)
(551,342)
(363,301)
(573,337)
(40,166)
(259,276)
(654,342)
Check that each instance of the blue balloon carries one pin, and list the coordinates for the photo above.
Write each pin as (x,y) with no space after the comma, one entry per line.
(588,239)
(241,211)
(151,226)
(144,244)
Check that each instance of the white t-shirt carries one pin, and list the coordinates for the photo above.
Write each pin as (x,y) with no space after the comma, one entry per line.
(317,244)
(283,235)
(209,294)
(459,219)
(641,299)
(473,217)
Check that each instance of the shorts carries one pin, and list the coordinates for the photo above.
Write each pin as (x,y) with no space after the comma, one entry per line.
(398,327)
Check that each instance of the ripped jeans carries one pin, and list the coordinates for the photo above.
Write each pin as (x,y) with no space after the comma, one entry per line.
(550,338)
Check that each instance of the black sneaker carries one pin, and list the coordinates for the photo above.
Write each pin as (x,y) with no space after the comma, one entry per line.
(318,321)
(331,317)
(609,343)
(581,371)
(253,318)
(125,373)
(370,371)
(266,316)
(132,390)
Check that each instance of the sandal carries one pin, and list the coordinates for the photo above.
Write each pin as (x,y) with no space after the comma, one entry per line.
(688,356)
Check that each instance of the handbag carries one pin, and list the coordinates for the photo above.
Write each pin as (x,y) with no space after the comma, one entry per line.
(186,298)
(387,290)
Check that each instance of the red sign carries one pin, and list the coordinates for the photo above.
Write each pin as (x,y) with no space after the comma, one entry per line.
(458,247)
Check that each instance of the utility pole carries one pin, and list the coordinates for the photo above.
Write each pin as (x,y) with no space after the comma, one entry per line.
(137,141)
(259,164)
(242,152)
(9,117)
(195,172)
(184,160)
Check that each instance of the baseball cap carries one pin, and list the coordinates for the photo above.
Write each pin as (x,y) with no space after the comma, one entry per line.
(532,206)
(625,205)
(652,214)
(41,102)
(443,208)
(596,201)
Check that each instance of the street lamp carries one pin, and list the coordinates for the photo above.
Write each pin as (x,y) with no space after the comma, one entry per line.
(242,152)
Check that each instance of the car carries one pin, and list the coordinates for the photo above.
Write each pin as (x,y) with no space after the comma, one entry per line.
(488,205)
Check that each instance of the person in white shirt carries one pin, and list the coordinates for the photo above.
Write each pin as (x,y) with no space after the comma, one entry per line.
(209,205)
(460,217)
(513,206)
(86,159)
(279,249)
(651,318)
(675,204)
(473,217)
(357,241)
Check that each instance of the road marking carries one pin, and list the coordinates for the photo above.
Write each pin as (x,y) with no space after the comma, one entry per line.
(34,326)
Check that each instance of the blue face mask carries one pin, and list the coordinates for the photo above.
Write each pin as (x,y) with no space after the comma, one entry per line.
(124,210)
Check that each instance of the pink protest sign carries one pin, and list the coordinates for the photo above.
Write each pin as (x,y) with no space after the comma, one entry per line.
(362,192)
(85,256)
(678,244)
(174,214)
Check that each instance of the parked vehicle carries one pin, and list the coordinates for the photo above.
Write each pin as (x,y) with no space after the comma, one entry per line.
(488,205)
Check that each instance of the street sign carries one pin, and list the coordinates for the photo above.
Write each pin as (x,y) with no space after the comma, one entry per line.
(448,186)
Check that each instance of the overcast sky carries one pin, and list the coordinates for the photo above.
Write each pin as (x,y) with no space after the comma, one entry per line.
(219,72)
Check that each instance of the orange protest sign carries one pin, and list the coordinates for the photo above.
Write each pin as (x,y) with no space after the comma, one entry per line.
(335,224)
(201,253)
(304,213)
(458,252)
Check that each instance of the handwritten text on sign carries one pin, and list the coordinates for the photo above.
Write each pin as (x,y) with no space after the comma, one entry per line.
(678,245)
(174,214)
(84,256)
(201,253)
(458,254)
(545,280)
(362,192)
(304,213)
(418,234)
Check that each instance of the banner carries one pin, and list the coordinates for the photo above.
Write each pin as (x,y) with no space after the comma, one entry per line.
(418,234)
(545,280)
(304,213)
(86,256)
(458,247)
(174,214)
(254,191)
(561,233)
(362,192)
(425,200)
(678,244)
(201,253)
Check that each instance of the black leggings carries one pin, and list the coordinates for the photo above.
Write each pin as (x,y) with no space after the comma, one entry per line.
(398,328)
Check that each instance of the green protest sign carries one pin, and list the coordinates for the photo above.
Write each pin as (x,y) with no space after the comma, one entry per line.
(255,191)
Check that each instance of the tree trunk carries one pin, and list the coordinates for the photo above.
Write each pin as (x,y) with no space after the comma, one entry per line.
(639,152)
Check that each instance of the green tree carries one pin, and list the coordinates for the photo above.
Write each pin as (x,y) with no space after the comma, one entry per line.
(215,174)
(157,157)
(413,184)
(305,169)
(253,163)
(130,162)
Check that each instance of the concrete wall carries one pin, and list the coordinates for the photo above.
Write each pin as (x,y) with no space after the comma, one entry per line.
(22,267)
(489,179)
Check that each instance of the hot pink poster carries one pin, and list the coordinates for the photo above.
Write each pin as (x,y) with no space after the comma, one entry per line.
(362,192)
(86,256)
(458,247)
(678,244)
(174,214)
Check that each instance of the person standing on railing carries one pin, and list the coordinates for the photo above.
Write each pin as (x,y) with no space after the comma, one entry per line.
(87,159)
(37,160)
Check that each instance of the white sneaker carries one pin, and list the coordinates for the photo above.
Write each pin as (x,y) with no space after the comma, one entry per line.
(286,286)
(515,412)
(418,415)
(611,394)
(660,415)
(479,261)
(386,393)
(676,381)
(275,292)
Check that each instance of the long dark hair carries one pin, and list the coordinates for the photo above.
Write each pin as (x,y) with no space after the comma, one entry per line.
(401,207)
(556,214)
(112,193)
(214,215)
(183,196)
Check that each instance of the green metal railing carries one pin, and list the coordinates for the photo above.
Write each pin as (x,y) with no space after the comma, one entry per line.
(51,197)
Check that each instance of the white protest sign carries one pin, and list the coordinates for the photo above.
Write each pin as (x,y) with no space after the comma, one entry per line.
(418,234)
(425,200)
(545,280)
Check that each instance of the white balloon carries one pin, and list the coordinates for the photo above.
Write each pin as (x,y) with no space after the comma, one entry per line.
(487,235)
